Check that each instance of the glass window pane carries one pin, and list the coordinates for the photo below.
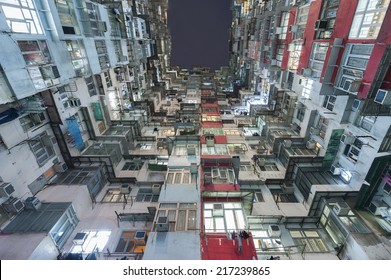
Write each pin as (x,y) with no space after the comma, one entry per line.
(181,221)
(219,224)
(230,220)
(192,220)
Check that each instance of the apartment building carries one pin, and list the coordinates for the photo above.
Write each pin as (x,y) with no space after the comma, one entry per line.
(109,152)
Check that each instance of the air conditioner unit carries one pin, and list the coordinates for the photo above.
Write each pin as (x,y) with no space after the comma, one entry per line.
(32,203)
(341,208)
(288,188)
(306,72)
(287,143)
(321,24)
(274,231)
(101,25)
(60,167)
(140,238)
(6,190)
(294,28)
(162,224)
(354,85)
(80,238)
(376,207)
(314,131)
(383,97)
(123,58)
(266,48)
(49,83)
(210,142)
(291,47)
(13,205)
(191,151)
(273,62)
(125,189)
(278,30)
(218,210)
(155,189)
(49,72)
(98,146)
(347,139)
(261,162)
(310,145)
(335,170)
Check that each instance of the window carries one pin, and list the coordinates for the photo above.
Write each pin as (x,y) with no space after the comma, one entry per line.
(322,125)
(90,85)
(354,63)
(78,56)
(35,52)
(222,175)
(228,218)
(307,88)
(94,19)
(32,120)
(64,227)
(180,176)
(118,50)
(329,102)
(66,12)
(352,151)
(309,239)
(102,54)
(21,16)
(386,144)
(317,58)
(181,216)
(283,25)
(259,197)
(368,19)
(42,148)
(300,114)
(109,83)
(366,122)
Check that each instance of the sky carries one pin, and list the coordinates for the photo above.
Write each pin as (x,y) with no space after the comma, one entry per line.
(199,32)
